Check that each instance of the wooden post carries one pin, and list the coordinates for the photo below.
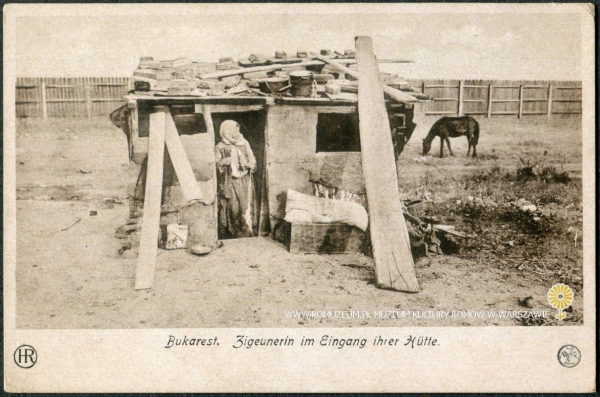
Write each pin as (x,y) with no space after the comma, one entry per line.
(490,93)
(550,100)
(144,275)
(394,265)
(44,107)
(461,92)
(520,101)
(88,100)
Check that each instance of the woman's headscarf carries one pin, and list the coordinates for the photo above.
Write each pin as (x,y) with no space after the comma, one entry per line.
(229,133)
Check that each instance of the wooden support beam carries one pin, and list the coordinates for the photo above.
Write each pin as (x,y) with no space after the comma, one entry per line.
(210,129)
(394,266)
(394,93)
(181,163)
(144,275)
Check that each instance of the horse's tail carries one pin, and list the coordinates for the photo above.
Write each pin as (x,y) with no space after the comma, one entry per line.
(475,132)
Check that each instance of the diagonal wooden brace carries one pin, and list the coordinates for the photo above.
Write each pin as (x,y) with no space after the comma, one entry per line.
(181,163)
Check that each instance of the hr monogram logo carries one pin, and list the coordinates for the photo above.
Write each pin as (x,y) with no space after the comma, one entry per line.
(25,356)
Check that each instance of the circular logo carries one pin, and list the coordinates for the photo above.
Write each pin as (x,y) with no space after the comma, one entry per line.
(25,356)
(569,356)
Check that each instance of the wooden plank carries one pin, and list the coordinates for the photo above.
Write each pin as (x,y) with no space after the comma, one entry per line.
(181,163)
(445,99)
(394,265)
(108,85)
(44,101)
(210,129)
(438,113)
(198,108)
(441,86)
(107,100)
(61,85)
(88,100)
(461,96)
(268,68)
(64,100)
(520,102)
(549,110)
(144,276)
(394,93)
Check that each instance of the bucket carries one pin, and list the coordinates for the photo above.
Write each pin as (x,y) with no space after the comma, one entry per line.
(272,85)
(301,82)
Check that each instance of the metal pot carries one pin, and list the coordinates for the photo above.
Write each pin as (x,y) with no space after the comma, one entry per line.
(301,82)
(272,85)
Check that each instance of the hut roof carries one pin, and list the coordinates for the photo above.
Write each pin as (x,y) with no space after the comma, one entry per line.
(256,79)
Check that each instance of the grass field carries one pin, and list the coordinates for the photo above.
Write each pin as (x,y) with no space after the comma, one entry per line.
(70,274)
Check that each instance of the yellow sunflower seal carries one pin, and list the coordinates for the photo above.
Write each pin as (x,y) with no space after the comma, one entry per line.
(560,296)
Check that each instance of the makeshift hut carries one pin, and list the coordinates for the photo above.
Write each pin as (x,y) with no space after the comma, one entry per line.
(300,118)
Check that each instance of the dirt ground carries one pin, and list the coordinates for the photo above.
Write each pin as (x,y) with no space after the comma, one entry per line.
(71,275)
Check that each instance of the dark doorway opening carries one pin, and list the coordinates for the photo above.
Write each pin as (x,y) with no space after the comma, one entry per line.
(252,127)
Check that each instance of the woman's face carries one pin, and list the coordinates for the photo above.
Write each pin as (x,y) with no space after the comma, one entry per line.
(231,131)
(237,134)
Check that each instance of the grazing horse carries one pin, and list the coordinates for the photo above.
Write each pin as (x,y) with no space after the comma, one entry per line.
(452,127)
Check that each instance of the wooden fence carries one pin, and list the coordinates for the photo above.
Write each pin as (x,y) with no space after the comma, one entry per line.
(501,98)
(90,96)
(69,96)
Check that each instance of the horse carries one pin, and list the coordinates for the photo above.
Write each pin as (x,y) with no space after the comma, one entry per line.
(453,127)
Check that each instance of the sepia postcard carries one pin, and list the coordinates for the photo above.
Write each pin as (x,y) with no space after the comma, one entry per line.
(299,198)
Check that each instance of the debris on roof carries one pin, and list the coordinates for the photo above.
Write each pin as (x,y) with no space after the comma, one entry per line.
(303,74)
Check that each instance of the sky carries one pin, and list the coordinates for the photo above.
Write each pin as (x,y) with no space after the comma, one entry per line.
(504,44)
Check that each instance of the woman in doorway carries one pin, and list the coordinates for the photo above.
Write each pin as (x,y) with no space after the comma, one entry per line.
(236,164)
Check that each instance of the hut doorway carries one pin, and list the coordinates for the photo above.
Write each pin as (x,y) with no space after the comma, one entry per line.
(252,127)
